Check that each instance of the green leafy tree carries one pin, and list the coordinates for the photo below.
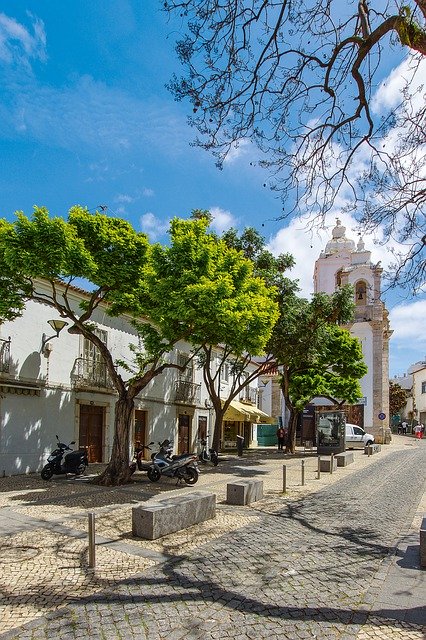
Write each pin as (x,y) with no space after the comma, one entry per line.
(202,284)
(316,356)
(397,398)
(298,81)
(111,255)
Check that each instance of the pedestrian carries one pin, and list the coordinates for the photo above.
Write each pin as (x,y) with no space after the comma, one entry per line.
(399,430)
(418,431)
(281,438)
(404,427)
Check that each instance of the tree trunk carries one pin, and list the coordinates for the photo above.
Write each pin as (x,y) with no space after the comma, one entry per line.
(118,469)
(291,433)
(217,431)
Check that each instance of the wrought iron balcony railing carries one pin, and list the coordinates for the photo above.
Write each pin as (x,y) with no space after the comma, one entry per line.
(4,355)
(91,373)
(187,392)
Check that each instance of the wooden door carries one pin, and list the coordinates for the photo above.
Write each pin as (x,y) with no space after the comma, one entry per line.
(202,427)
(140,426)
(184,433)
(92,420)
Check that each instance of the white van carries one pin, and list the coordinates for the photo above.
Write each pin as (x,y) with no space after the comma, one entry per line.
(356,437)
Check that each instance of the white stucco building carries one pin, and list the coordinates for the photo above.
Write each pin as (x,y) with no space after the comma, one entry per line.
(342,262)
(63,388)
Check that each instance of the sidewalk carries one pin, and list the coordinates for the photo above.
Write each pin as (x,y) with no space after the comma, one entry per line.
(43,529)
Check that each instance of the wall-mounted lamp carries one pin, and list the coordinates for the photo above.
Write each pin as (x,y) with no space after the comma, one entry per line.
(57,325)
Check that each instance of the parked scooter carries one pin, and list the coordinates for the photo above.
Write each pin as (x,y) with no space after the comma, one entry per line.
(208,455)
(138,461)
(183,467)
(74,462)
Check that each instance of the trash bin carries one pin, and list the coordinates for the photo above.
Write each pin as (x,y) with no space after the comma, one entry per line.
(240,445)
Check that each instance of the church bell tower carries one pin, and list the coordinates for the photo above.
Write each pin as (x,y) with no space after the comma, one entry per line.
(342,262)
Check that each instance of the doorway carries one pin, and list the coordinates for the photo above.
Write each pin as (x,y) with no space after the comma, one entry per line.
(184,433)
(92,420)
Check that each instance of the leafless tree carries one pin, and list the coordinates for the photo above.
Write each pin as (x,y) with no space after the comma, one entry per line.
(303,82)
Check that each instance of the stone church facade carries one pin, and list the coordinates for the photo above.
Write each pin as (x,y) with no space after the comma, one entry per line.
(342,262)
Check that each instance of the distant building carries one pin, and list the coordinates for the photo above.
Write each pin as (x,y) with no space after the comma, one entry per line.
(342,262)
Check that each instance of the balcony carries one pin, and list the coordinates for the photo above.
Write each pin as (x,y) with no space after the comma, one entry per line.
(90,374)
(249,395)
(187,392)
(4,355)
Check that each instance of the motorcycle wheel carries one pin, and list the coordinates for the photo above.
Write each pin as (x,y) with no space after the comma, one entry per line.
(153,474)
(191,476)
(80,469)
(214,458)
(46,473)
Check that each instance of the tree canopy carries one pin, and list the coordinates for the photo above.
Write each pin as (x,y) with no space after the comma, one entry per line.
(397,398)
(316,356)
(304,83)
(201,283)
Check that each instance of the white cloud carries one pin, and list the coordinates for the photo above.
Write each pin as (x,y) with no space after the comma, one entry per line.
(390,93)
(408,323)
(306,244)
(90,114)
(124,198)
(148,193)
(17,44)
(239,149)
(153,226)
(222,219)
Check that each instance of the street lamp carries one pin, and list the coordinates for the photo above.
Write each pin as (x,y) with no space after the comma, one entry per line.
(57,326)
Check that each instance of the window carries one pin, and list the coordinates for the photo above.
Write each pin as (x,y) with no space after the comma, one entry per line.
(424,387)
(225,372)
(188,373)
(90,351)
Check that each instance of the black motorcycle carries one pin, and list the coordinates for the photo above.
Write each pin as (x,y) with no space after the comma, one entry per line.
(208,455)
(74,462)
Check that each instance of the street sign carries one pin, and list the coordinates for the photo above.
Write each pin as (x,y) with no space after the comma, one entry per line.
(381,416)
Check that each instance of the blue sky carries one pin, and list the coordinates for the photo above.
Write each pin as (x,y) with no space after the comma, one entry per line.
(85,118)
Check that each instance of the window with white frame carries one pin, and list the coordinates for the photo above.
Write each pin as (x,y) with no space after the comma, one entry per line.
(187,375)
(424,387)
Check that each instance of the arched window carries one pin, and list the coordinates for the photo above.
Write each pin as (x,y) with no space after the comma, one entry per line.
(361,292)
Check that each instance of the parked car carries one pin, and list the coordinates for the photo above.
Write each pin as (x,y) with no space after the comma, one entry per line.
(356,437)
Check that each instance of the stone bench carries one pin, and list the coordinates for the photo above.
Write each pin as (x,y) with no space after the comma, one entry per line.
(325,464)
(423,543)
(344,458)
(154,519)
(372,448)
(244,492)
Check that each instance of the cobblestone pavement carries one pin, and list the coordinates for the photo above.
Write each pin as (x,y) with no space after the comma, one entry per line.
(311,564)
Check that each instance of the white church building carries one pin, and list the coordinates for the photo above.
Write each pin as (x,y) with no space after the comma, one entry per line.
(344,262)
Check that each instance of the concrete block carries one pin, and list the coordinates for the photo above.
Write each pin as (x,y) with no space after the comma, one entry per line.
(325,464)
(344,458)
(372,448)
(423,544)
(154,519)
(244,492)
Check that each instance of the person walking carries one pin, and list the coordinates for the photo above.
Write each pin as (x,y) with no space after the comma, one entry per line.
(281,438)
(404,428)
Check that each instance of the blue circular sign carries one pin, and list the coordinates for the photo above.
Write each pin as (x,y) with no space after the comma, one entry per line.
(381,416)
